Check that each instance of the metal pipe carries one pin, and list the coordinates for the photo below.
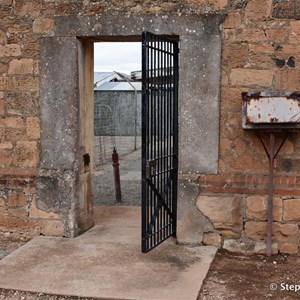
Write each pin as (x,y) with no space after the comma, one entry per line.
(115,160)
(270,196)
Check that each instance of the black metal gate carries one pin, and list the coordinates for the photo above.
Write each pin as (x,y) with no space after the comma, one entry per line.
(159,139)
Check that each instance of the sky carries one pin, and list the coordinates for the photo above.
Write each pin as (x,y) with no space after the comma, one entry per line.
(121,57)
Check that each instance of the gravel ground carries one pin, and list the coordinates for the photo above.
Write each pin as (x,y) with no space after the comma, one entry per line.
(130,175)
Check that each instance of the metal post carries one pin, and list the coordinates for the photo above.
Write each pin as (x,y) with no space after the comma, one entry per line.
(115,160)
(270,197)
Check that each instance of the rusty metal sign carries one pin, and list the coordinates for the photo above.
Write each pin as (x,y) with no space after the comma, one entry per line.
(271,110)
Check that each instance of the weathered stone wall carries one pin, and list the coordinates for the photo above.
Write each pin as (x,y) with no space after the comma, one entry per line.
(260,52)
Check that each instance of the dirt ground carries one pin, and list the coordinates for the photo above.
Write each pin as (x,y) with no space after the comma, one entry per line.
(231,276)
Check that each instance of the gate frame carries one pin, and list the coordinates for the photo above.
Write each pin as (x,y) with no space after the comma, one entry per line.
(159,199)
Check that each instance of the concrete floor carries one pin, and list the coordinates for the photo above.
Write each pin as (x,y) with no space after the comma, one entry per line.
(106,262)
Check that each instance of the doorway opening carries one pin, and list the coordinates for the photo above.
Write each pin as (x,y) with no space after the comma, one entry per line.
(117,123)
(151,170)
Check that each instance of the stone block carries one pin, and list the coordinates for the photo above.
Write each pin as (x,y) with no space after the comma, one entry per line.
(233,20)
(257,208)
(290,49)
(28,8)
(235,55)
(261,248)
(239,246)
(15,135)
(286,9)
(55,191)
(12,122)
(247,163)
(291,210)
(2,201)
(245,35)
(19,212)
(286,232)
(287,80)
(37,213)
(21,66)
(216,4)
(2,107)
(219,4)
(258,10)
(289,248)
(8,83)
(51,227)
(28,84)
(248,77)
(43,25)
(7,145)
(231,99)
(10,50)
(261,48)
(261,61)
(229,234)
(26,154)
(33,128)
(17,199)
(223,212)
(3,38)
(278,35)
(256,231)
(2,134)
(19,225)
(5,158)
(6,2)
(288,147)
(212,239)
(294,36)
(191,223)
(247,246)
(59,143)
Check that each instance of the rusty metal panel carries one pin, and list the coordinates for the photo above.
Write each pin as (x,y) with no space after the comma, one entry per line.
(271,110)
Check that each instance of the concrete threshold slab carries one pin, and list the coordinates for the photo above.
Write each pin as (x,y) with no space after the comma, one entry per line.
(106,262)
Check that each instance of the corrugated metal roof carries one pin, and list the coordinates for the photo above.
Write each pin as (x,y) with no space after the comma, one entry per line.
(103,77)
(119,86)
(99,76)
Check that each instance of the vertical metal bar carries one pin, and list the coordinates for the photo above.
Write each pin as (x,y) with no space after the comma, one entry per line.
(144,142)
(270,196)
(158,138)
(150,132)
(166,134)
(163,212)
(175,139)
(170,72)
(153,112)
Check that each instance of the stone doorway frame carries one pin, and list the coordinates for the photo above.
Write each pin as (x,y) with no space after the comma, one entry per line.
(66,72)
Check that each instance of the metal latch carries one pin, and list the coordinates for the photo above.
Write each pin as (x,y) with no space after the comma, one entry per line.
(150,168)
